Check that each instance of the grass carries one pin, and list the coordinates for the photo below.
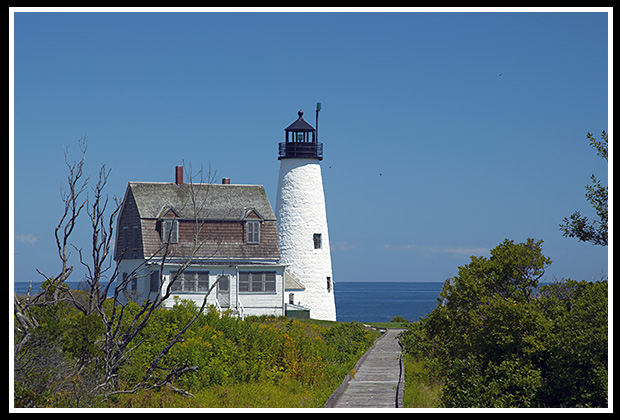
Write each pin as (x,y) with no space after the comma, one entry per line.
(421,390)
(388,324)
(264,394)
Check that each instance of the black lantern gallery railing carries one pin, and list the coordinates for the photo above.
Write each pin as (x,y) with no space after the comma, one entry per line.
(310,150)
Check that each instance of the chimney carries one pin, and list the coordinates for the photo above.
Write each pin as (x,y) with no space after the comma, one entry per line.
(178,175)
(225,181)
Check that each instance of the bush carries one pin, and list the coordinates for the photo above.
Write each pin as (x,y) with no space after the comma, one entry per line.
(225,350)
(499,340)
(228,351)
(399,318)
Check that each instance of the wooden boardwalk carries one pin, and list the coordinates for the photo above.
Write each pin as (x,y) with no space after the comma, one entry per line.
(378,380)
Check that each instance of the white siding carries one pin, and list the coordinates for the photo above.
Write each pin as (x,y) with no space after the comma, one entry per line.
(260,303)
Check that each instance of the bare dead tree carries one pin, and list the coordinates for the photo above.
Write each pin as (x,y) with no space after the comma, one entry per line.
(73,205)
(119,342)
(53,287)
(105,288)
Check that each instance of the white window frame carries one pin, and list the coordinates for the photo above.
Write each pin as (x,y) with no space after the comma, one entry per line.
(252,232)
(168,224)
(257,282)
(191,282)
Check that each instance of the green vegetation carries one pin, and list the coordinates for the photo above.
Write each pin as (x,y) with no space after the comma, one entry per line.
(225,361)
(422,389)
(499,339)
(399,319)
(292,394)
(580,227)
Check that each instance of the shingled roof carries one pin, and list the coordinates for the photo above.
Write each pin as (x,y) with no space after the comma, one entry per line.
(300,124)
(212,201)
(223,208)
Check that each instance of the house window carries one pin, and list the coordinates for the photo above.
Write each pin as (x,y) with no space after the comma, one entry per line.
(317,240)
(202,281)
(191,282)
(252,232)
(171,231)
(125,239)
(154,281)
(223,284)
(329,284)
(257,282)
(134,237)
(131,282)
(176,282)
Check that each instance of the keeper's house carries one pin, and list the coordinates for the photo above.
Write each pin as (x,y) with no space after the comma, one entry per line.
(208,232)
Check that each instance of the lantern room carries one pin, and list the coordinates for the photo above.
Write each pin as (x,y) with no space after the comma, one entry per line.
(300,141)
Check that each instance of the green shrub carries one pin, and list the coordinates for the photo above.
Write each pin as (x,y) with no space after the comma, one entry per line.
(497,339)
(399,319)
(62,363)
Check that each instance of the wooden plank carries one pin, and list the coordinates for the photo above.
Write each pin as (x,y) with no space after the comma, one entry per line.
(377,379)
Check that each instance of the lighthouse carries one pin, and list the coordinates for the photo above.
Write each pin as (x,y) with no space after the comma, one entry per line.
(302,218)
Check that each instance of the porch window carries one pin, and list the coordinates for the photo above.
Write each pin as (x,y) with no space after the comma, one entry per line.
(191,282)
(257,282)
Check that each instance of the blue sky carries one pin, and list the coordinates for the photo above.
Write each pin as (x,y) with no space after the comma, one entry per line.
(444,133)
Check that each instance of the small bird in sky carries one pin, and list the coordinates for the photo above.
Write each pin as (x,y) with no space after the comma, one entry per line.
(499,74)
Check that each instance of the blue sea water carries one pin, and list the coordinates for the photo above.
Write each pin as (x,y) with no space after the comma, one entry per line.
(21,287)
(380,301)
(367,301)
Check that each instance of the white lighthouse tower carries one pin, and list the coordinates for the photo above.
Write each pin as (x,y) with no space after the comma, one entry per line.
(302,219)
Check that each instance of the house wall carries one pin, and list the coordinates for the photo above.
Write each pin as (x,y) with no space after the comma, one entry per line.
(128,218)
(254,303)
(139,240)
(218,239)
(264,303)
(134,269)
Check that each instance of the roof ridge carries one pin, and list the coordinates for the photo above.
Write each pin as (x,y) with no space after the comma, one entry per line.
(196,183)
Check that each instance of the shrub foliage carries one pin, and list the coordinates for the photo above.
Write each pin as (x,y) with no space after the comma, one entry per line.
(59,367)
(497,338)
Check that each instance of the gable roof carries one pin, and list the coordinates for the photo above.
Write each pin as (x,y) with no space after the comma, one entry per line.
(211,201)
(291,282)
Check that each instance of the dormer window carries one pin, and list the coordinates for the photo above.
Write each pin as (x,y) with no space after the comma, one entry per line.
(170,231)
(252,232)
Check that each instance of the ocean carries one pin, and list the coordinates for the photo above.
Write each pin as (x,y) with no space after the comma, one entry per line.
(368,301)
(380,301)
